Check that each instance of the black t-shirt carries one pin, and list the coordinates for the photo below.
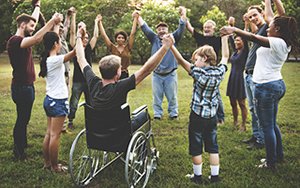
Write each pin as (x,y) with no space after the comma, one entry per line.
(77,74)
(110,96)
(213,41)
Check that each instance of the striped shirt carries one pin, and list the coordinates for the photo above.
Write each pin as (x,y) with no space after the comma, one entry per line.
(205,93)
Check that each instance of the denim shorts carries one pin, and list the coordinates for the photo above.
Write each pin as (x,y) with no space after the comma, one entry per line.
(202,130)
(56,107)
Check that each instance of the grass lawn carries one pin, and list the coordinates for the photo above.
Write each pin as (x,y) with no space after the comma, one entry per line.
(237,163)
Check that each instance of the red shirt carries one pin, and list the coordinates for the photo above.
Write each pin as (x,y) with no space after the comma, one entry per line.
(21,62)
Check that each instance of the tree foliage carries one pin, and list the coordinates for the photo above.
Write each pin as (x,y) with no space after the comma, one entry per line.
(117,15)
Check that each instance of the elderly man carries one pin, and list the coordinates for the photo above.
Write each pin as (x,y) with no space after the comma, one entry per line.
(164,79)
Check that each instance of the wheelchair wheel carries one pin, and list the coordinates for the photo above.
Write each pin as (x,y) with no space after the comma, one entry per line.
(138,161)
(81,161)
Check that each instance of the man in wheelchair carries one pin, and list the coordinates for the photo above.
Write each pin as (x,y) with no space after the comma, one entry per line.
(110,92)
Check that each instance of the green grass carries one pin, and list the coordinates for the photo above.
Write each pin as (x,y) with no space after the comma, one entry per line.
(237,163)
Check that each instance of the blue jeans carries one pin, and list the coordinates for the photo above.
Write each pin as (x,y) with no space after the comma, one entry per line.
(165,85)
(256,129)
(23,96)
(267,97)
(220,110)
(77,89)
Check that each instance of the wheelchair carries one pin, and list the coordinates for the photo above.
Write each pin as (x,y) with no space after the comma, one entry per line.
(112,135)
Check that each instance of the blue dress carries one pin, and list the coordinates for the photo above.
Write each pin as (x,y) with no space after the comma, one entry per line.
(235,86)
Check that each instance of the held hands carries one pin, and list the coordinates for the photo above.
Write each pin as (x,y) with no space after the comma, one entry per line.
(81,25)
(231,21)
(71,11)
(57,18)
(81,32)
(135,14)
(168,40)
(182,11)
(98,18)
(227,30)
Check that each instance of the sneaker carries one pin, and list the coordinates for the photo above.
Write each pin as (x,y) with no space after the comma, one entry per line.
(214,179)
(194,179)
(255,145)
(173,117)
(250,140)
(265,165)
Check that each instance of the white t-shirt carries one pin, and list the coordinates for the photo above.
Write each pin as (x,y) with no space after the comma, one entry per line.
(56,86)
(270,60)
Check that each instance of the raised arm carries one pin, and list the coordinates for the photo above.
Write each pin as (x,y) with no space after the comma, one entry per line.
(153,61)
(73,30)
(225,50)
(103,33)
(182,24)
(269,14)
(69,55)
(38,36)
(93,41)
(185,64)
(135,16)
(36,12)
(261,40)
(67,21)
(189,27)
(80,49)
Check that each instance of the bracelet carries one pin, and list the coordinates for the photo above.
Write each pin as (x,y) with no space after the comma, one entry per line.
(37,6)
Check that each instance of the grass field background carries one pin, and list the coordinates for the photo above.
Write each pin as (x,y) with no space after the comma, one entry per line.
(237,163)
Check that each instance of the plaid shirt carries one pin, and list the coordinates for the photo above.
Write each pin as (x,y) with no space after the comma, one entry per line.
(205,93)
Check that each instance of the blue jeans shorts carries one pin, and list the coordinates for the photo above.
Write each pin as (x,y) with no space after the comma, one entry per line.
(202,130)
(56,107)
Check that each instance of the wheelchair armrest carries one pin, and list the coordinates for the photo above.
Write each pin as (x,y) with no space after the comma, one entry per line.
(139,110)
(81,104)
(123,106)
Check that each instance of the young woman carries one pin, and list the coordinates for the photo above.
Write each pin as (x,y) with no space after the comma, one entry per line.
(235,87)
(269,85)
(56,100)
(121,48)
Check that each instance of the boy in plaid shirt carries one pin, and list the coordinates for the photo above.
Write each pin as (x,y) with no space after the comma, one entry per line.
(207,75)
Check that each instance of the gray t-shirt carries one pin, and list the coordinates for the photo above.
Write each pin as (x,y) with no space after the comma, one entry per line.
(251,60)
(110,96)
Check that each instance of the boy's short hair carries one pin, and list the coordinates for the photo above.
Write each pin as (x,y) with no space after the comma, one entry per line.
(24,18)
(109,65)
(207,51)
(257,7)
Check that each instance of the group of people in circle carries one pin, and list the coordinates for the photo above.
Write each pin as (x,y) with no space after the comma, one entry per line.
(260,63)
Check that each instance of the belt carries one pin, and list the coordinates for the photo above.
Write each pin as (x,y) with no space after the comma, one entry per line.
(165,74)
(249,71)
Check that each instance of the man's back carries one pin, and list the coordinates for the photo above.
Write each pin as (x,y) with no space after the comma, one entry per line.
(111,95)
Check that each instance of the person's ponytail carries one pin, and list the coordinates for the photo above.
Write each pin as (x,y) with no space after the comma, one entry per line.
(43,64)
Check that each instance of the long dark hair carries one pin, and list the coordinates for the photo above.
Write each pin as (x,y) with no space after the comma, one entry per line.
(49,40)
(288,30)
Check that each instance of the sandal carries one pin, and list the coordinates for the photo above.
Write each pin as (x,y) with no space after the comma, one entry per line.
(60,169)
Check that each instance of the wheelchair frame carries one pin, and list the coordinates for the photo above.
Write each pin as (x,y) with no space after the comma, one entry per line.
(140,161)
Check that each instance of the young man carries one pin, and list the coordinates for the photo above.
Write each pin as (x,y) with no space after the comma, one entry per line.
(79,85)
(164,79)
(22,88)
(110,92)
(208,38)
(256,16)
